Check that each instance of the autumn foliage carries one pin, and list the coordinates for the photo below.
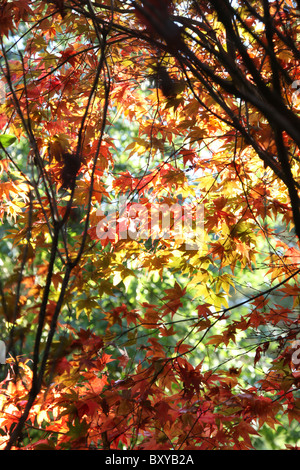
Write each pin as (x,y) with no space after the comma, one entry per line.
(122,332)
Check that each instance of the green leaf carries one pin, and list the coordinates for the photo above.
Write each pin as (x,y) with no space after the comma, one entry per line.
(45,445)
(6,140)
(78,429)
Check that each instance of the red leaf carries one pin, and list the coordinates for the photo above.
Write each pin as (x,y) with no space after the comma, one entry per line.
(257,354)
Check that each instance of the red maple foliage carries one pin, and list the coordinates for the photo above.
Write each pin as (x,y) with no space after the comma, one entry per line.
(149,200)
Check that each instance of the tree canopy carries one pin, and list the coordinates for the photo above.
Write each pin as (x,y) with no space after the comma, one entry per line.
(150,224)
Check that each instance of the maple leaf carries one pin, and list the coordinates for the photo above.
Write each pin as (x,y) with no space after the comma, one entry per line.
(78,429)
(257,355)
(60,5)
(204,310)
(87,408)
(163,411)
